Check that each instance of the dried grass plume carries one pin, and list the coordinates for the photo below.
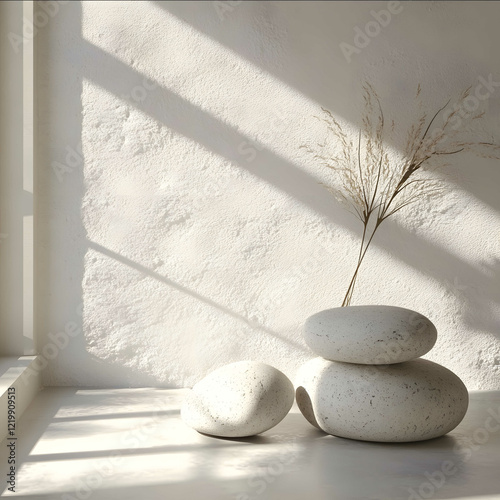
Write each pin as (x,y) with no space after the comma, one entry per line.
(373,182)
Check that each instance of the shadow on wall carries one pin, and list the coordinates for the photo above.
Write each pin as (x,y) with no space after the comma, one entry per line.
(85,61)
(59,232)
(320,70)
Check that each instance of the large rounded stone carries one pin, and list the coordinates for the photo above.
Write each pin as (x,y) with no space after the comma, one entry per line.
(371,335)
(237,400)
(409,401)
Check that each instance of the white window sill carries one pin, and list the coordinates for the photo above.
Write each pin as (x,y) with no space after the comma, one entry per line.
(17,372)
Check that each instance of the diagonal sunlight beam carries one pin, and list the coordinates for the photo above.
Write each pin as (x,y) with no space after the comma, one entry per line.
(192,122)
(208,24)
(174,448)
(152,274)
(112,416)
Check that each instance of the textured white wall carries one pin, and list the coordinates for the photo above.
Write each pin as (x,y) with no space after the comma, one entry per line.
(192,227)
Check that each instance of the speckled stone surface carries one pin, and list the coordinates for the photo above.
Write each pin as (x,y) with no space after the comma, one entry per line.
(239,399)
(371,335)
(410,401)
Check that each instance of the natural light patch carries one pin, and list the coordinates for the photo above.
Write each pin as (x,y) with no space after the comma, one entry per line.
(205,74)
(268,462)
(85,475)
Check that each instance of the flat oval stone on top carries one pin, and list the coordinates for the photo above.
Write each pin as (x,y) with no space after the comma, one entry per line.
(370,335)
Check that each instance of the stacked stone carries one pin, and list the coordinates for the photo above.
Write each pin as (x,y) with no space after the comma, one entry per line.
(369,382)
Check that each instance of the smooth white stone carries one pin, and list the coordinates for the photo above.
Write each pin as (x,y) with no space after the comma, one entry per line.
(371,335)
(240,399)
(410,401)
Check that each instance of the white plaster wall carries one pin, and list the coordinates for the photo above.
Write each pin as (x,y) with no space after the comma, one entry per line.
(191,230)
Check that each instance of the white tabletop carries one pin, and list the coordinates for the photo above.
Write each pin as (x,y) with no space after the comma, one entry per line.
(131,444)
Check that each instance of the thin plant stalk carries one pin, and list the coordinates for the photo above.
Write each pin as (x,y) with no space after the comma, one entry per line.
(375,185)
(362,253)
